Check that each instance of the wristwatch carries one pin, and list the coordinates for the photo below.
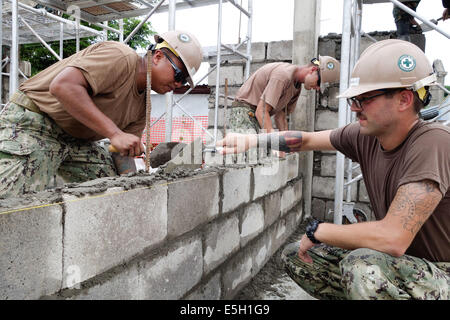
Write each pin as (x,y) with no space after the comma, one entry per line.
(311,228)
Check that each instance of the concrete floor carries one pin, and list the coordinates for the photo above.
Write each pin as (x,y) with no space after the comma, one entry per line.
(272,282)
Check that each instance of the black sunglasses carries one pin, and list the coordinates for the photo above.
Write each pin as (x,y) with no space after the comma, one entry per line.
(317,63)
(179,75)
(359,101)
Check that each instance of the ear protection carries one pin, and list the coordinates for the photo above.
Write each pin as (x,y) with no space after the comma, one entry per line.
(424,95)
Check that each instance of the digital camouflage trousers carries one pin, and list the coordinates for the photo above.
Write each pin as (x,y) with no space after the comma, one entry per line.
(241,119)
(365,274)
(33,150)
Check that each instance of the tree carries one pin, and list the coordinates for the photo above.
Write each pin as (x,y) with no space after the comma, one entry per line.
(41,58)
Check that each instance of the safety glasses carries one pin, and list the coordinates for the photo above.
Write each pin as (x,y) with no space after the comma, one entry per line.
(179,75)
(359,102)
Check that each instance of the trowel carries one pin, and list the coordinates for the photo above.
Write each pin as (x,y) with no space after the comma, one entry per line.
(426,27)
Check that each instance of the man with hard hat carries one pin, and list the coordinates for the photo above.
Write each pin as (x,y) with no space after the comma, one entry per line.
(51,124)
(273,90)
(405,162)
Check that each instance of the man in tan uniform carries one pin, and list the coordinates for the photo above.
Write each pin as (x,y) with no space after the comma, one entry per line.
(405,162)
(273,90)
(51,124)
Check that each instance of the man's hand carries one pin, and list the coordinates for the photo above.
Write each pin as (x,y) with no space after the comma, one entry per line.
(127,144)
(305,245)
(237,143)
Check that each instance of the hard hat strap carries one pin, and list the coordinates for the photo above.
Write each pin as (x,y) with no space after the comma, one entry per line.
(164,44)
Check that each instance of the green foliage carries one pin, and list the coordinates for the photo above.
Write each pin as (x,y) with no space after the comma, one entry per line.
(41,58)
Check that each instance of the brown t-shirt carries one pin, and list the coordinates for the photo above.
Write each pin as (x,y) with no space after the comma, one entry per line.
(276,82)
(425,154)
(110,69)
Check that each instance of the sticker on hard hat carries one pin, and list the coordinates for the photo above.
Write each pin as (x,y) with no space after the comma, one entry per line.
(406,63)
(354,82)
(184,37)
(330,65)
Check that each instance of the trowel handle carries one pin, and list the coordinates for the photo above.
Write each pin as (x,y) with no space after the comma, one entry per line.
(111,148)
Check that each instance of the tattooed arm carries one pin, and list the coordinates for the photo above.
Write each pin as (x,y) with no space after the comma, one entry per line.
(412,206)
(287,141)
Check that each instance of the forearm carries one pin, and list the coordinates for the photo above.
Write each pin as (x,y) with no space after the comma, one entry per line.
(287,141)
(262,114)
(280,121)
(373,235)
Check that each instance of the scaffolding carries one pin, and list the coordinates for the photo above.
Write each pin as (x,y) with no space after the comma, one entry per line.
(350,47)
(23,23)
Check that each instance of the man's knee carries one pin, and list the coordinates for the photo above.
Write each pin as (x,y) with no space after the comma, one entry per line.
(363,273)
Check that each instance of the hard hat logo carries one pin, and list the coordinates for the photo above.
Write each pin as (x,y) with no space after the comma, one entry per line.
(406,63)
(184,37)
(330,65)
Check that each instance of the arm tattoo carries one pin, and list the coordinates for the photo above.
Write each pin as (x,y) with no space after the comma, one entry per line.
(414,203)
(287,141)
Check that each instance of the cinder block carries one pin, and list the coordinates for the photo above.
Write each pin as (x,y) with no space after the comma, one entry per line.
(327,47)
(172,275)
(279,50)
(328,166)
(290,196)
(237,273)
(123,285)
(292,165)
(234,74)
(261,252)
(272,208)
(318,208)
(220,117)
(192,202)
(221,239)
(211,290)
(236,188)
(252,222)
(325,120)
(363,195)
(31,252)
(104,231)
(270,177)
(323,187)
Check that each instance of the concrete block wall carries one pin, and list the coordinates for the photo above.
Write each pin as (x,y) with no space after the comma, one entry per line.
(195,235)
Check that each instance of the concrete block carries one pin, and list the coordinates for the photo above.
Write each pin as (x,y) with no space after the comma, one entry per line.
(363,195)
(221,240)
(190,157)
(258,53)
(192,202)
(31,252)
(327,47)
(236,188)
(279,50)
(318,208)
(272,208)
(328,166)
(107,230)
(255,66)
(252,222)
(277,235)
(123,285)
(323,187)
(292,165)
(261,253)
(290,196)
(211,290)
(234,74)
(237,273)
(170,276)
(325,120)
(270,177)
(220,117)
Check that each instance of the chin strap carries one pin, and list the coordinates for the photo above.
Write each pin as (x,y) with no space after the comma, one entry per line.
(148,110)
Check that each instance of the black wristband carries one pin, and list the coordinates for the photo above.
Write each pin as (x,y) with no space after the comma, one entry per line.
(311,228)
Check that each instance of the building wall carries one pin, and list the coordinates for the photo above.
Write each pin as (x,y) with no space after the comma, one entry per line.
(185,235)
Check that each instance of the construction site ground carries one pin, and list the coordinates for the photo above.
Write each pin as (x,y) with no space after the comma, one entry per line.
(272,282)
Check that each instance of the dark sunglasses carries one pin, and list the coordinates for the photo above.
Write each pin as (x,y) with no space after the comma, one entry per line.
(317,63)
(359,101)
(180,76)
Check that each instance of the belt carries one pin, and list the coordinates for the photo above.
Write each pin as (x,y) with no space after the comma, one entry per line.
(22,100)
(242,104)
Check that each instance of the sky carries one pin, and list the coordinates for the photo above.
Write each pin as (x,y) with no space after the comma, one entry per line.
(273,21)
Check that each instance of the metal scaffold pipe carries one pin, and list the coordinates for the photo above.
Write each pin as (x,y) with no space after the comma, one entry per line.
(143,21)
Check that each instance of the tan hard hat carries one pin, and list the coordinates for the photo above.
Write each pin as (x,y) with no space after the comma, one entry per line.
(186,46)
(329,69)
(388,64)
